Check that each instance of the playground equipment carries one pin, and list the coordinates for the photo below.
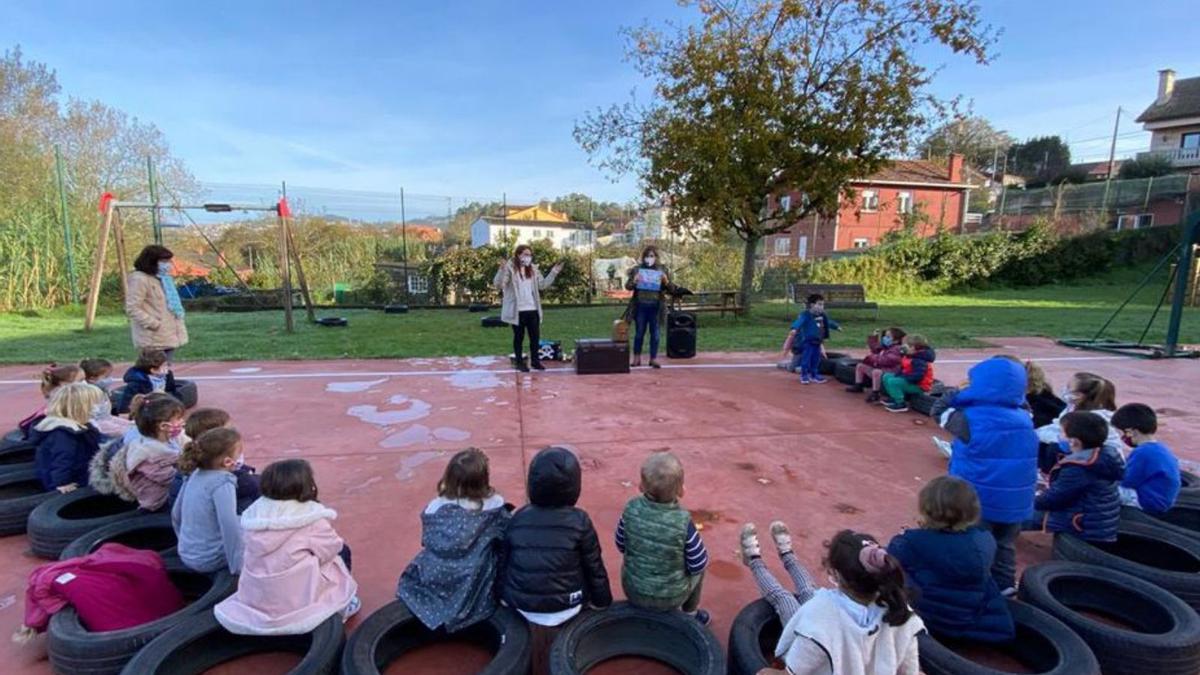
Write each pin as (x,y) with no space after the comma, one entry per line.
(111,209)
(1178,288)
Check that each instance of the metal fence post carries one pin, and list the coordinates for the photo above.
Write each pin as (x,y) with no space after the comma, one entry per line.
(68,240)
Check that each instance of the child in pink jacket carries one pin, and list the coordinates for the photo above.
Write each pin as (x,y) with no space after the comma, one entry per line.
(294,565)
(884,357)
(144,469)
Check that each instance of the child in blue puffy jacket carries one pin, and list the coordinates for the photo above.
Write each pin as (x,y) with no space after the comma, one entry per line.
(805,341)
(1083,499)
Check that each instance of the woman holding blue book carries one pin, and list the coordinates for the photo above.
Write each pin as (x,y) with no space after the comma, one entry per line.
(650,282)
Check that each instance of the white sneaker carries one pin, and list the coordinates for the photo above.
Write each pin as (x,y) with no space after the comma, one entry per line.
(1009,592)
(944,447)
(749,540)
(351,609)
(782,536)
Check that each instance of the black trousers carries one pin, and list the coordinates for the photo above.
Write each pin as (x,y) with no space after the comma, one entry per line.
(527,322)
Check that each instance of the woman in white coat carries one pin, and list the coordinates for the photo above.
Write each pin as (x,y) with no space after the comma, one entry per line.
(520,284)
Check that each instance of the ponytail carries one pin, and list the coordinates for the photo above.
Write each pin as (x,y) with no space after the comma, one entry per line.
(54,376)
(867,569)
(212,445)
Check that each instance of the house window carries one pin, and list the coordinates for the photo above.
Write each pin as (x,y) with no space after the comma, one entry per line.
(785,203)
(802,249)
(418,284)
(904,202)
(537,234)
(1190,141)
(783,245)
(1135,221)
(870,200)
(862,243)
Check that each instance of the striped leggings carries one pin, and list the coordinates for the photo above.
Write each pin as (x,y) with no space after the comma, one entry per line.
(784,602)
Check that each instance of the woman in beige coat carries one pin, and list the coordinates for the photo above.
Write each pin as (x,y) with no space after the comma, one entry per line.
(152,303)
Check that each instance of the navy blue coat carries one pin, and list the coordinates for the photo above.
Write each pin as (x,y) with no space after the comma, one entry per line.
(137,381)
(1083,498)
(996,448)
(63,454)
(955,593)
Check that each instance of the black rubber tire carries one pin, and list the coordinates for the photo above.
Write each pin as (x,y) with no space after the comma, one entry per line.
(475,307)
(673,638)
(12,438)
(62,519)
(74,650)
(148,532)
(1190,498)
(395,309)
(17,456)
(333,322)
(1189,482)
(492,322)
(200,643)
(1145,551)
(392,630)
(187,393)
(752,637)
(21,492)
(1186,515)
(1043,643)
(1164,633)
(844,369)
(829,362)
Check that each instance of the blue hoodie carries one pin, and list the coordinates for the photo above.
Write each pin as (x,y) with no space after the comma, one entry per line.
(995,446)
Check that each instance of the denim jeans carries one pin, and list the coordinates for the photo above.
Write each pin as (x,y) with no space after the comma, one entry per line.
(646,317)
(810,359)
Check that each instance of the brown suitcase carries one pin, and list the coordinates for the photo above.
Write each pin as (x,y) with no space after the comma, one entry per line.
(594,357)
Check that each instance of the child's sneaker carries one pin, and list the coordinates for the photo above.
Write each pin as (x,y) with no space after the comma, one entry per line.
(804,380)
(896,407)
(782,537)
(351,609)
(856,388)
(702,616)
(817,379)
(944,447)
(750,547)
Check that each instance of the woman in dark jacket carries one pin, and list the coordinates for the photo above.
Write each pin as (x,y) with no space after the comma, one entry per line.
(552,561)
(650,282)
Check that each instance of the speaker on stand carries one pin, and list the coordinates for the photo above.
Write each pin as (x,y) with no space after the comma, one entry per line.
(681,334)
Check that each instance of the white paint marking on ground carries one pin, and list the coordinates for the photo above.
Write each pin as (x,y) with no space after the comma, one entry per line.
(552,371)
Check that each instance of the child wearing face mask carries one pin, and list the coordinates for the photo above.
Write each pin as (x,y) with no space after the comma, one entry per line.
(1083,498)
(150,373)
(885,355)
(1151,481)
(1086,392)
(200,421)
(143,469)
(205,515)
(98,373)
(809,331)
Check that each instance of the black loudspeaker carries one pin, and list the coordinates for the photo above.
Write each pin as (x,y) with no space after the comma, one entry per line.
(681,335)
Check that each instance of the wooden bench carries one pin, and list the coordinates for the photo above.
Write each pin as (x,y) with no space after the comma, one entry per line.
(837,296)
(709,301)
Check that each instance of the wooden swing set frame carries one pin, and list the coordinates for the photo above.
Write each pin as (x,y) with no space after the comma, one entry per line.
(288,256)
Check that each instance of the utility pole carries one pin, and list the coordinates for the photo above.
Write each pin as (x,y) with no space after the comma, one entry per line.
(66,223)
(1112,152)
(404,243)
(995,161)
(158,239)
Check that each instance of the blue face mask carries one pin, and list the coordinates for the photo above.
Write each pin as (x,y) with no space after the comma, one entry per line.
(886,341)
(1064,446)
(164,268)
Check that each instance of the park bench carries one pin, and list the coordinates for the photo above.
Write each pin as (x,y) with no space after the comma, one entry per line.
(709,301)
(837,296)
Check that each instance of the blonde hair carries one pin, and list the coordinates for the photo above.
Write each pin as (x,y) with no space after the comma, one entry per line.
(662,477)
(75,401)
(916,340)
(1036,377)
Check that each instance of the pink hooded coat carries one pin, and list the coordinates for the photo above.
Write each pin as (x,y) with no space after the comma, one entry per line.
(292,578)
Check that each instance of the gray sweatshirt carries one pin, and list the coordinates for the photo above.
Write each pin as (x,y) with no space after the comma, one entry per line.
(206,522)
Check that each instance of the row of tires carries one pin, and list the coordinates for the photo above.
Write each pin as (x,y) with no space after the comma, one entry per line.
(842,367)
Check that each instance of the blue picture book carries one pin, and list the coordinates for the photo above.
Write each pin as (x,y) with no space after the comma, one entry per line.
(649,279)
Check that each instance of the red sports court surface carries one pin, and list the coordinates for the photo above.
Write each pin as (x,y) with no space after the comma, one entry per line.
(756,445)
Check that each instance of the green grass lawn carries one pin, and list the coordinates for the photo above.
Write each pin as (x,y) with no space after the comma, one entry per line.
(1077,309)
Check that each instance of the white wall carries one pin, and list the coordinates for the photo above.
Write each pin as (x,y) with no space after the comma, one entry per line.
(483,233)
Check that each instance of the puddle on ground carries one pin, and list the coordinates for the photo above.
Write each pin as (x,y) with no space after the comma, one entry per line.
(419,434)
(352,387)
(373,415)
(398,399)
(409,464)
(481,360)
(475,379)
(244,370)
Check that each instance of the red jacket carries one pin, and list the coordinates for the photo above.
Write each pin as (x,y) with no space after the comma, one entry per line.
(917,367)
(114,588)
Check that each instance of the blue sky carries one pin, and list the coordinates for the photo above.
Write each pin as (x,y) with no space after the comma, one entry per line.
(478,98)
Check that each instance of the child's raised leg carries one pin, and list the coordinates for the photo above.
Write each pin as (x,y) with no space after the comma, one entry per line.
(781,600)
(801,579)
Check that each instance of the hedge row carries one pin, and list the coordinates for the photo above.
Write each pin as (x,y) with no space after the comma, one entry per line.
(906,264)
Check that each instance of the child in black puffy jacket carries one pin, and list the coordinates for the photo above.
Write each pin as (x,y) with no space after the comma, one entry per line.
(552,564)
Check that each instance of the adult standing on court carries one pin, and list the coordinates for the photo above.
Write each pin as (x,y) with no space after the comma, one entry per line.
(650,281)
(521,283)
(152,303)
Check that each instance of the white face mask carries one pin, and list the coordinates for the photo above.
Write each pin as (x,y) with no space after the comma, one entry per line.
(526,260)
(239,462)
(102,410)
(650,260)
(164,268)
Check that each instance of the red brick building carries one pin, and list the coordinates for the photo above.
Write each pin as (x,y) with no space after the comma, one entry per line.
(934,193)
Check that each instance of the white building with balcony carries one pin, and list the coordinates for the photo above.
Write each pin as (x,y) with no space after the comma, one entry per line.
(1173,121)
(565,235)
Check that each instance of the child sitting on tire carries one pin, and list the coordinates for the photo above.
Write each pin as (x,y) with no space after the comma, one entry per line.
(948,561)
(150,373)
(65,438)
(451,583)
(295,572)
(98,373)
(204,516)
(1082,499)
(863,626)
(53,377)
(199,421)
(885,354)
(665,557)
(552,555)
(915,375)
(142,470)
(1152,479)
